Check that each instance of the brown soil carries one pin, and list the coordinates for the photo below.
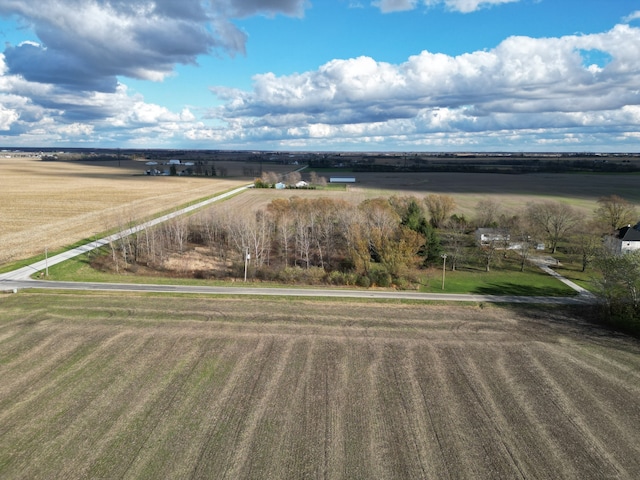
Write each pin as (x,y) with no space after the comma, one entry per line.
(106,386)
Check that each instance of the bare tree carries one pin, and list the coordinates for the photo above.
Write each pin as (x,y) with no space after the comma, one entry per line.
(587,243)
(303,224)
(522,235)
(353,225)
(552,219)
(178,229)
(269,178)
(440,208)
(282,220)
(315,179)
(488,211)
(488,252)
(382,222)
(455,239)
(293,177)
(615,212)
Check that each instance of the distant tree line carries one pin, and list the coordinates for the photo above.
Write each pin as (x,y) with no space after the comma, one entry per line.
(506,166)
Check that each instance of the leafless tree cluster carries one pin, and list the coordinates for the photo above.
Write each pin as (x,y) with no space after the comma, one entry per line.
(383,239)
(365,240)
(149,246)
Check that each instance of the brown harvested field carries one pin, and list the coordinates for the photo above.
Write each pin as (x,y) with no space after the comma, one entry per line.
(513,191)
(106,386)
(54,204)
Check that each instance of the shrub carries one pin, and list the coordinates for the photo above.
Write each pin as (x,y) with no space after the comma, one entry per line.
(337,277)
(380,277)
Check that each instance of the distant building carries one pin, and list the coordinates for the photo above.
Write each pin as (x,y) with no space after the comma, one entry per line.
(342,180)
(498,238)
(625,240)
(488,236)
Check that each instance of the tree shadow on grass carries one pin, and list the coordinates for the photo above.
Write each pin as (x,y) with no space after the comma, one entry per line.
(508,288)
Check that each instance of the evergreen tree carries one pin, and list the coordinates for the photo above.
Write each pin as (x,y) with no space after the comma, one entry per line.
(415,220)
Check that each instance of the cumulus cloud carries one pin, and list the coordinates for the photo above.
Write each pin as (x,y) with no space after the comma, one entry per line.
(32,112)
(86,44)
(524,84)
(464,6)
(65,87)
(467,6)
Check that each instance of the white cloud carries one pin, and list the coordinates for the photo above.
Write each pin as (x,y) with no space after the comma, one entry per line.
(387,6)
(468,6)
(523,84)
(86,44)
(464,6)
(66,86)
(7,117)
(633,16)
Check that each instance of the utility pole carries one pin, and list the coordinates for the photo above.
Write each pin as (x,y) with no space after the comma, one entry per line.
(444,264)
(46,261)
(246,261)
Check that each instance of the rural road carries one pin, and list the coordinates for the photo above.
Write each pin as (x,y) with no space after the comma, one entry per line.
(20,279)
(6,284)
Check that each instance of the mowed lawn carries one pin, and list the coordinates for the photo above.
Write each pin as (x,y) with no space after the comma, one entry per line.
(144,386)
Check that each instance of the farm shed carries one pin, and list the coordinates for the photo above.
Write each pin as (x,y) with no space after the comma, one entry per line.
(342,180)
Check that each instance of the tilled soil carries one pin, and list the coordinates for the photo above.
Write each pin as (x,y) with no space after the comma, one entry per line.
(102,386)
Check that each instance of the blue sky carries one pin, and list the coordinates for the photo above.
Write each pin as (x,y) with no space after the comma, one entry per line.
(385,75)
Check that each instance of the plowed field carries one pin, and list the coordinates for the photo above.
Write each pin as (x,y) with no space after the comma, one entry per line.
(104,386)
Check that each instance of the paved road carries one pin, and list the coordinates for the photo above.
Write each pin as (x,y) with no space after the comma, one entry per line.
(291,292)
(20,279)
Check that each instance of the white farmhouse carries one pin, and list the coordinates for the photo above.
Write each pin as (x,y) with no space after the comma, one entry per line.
(625,240)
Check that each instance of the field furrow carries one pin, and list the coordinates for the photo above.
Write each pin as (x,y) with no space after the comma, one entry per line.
(599,412)
(146,387)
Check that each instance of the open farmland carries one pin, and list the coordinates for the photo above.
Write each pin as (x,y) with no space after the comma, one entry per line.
(105,386)
(54,204)
(512,191)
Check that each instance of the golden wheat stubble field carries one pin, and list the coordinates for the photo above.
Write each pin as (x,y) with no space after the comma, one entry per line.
(54,204)
(108,386)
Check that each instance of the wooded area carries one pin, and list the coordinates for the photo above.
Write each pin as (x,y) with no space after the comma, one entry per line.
(384,242)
